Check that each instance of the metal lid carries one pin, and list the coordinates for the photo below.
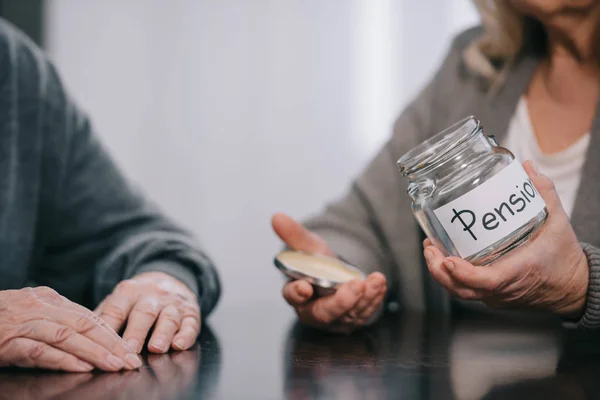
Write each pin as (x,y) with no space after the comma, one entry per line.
(322,271)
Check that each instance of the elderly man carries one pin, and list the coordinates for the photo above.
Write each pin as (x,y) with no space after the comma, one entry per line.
(75,236)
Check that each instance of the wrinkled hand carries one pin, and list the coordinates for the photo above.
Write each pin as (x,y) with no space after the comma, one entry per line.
(41,329)
(153,299)
(354,303)
(548,272)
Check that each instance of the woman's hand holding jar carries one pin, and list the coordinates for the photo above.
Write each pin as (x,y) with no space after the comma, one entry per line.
(550,271)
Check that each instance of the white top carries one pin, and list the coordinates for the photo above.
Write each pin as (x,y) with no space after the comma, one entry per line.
(563,168)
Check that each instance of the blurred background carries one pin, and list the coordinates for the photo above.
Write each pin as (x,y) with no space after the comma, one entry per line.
(226,111)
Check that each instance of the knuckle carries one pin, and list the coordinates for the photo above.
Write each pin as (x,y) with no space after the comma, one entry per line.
(190,312)
(494,284)
(191,309)
(35,351)
(171,320)
(148,310)
(85,323)
(171,315)
(192,322)
(62,334)
(30,301)
(112,310)
(45,291)
(163,291)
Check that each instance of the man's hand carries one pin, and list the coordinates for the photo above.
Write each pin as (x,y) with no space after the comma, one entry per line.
(41,329)
(353,305)
(153,299)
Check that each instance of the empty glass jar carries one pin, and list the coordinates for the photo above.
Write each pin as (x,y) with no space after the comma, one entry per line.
(470,196)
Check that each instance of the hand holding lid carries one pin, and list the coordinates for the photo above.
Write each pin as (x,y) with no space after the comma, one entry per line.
(352,304)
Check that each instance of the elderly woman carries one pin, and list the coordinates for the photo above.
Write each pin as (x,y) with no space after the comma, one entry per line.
(531,73)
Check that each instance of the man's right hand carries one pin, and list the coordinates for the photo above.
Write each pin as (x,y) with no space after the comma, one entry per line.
(41,329)
(353,304)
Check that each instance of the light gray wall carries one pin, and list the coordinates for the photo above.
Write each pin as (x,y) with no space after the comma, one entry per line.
(225,111)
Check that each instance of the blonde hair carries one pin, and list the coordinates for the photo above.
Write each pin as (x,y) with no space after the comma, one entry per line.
(503,37)
(506,32)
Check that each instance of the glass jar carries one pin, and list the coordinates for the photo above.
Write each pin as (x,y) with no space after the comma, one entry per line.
(469,195)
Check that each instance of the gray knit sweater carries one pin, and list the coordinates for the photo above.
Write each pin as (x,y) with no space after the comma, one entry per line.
(373,227)
(68,218)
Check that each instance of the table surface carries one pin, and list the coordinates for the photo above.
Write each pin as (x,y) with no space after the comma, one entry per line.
(260,352)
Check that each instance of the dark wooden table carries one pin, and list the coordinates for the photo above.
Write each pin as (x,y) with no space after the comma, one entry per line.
(258,352)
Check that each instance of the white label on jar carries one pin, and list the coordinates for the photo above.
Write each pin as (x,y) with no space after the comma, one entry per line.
(491,211)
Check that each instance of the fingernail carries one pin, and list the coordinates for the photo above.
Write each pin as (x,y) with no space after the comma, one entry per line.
(133,345)
(115,362)
(159,344)
(449,265)
(133,361)
(428,255)
(179,344)
(84,366)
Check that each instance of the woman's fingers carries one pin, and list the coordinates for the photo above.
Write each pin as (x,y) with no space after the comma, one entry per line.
(487,278)
(30,353)
(328,309)
(297,292)
(545,187)
(443,275)
(298,237)
(370,310)
(375,284)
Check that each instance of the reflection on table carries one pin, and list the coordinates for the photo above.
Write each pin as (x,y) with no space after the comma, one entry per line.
(469,358)
(165,376)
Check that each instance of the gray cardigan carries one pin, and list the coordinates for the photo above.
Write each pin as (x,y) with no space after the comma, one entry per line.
(373,227)
(68,218)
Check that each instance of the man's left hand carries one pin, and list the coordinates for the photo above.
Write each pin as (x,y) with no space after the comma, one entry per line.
(153,299)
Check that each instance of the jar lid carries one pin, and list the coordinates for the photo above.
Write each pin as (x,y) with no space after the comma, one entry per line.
(438,147)
(319,270)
